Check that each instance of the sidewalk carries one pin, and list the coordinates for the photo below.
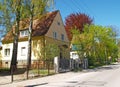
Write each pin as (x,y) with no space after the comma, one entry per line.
(57,80)
(38,82)
(4,80)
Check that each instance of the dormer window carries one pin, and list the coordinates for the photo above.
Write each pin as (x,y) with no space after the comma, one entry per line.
(23,33)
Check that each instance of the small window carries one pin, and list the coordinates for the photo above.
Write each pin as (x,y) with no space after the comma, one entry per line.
(58,23)
(23,51)
(62,37)
(23,33)
(55,35)
(7,52)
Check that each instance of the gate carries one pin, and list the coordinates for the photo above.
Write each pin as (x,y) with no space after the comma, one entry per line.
(64,64)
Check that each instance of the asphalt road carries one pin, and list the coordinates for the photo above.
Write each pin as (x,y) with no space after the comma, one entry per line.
(107,76)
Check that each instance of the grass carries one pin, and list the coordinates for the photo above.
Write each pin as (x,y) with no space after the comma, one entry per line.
(4,69)
(92,67)
(42,72)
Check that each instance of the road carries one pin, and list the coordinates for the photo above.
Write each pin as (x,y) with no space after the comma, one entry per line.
(106,76)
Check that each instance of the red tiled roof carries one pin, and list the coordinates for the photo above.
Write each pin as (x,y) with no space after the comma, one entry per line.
(40,26)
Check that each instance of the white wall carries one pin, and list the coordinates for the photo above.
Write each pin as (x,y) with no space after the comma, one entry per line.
(19,56)
(74,55)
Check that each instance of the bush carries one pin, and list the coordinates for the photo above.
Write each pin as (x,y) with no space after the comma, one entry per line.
(91,67)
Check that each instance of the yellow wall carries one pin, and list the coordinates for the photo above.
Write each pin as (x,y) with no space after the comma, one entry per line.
(49,39)
(58,28)
(0,55)
(38,47)
(39,42)
(65,51)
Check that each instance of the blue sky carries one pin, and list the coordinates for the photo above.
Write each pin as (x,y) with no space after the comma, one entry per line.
(104,12)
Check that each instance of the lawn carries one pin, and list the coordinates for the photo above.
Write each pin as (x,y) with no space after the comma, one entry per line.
(42,72)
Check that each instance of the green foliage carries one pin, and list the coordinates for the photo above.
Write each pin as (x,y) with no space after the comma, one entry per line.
(98,42)
(4,69)
(51,51)
(40,7)
(77,69)
(118,44)
(42,72)
(5,17)
(8,10)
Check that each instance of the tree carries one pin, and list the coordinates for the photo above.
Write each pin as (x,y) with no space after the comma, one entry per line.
(118,44)
(76,20)
(30,37)
(51,51)
(6,21)
(20,9)
(5,16)
(98,42)
(16,8)
(12,11)
(39,51)
(34,9)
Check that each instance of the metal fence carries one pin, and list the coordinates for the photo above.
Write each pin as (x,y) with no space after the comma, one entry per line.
(64,64)
(0,64)
(39,68)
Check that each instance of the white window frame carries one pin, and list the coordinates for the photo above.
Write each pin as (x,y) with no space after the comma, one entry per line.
(55,35)
(23,51)
(62,37)
(23,33)
(7,52)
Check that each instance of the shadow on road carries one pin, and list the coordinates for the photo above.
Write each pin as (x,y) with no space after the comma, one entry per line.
(36,85)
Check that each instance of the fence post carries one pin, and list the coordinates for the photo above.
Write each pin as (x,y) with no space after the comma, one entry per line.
(56,64)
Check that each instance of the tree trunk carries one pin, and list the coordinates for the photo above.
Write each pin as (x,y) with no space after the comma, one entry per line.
(30,41)
(13,65)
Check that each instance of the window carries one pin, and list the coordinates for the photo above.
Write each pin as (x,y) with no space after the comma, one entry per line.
(55,35)
(23,33)
(7,52)
(62,37)
(58,23)
(23,51)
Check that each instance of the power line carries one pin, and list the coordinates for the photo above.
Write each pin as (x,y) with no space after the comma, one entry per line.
(76,5)
(89,10)
(68,4)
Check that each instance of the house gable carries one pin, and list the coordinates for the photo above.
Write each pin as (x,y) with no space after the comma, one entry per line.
(57,29)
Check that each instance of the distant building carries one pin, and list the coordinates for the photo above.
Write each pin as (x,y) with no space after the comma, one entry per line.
(77,63)
(73,52)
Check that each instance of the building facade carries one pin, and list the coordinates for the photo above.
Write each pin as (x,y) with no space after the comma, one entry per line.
(48,29)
